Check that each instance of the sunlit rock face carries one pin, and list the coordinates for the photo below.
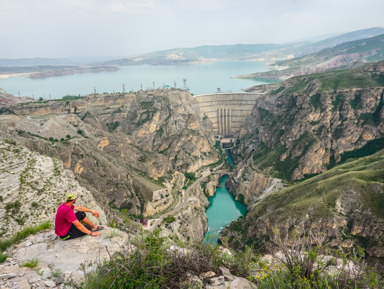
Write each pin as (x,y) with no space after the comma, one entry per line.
(122,147)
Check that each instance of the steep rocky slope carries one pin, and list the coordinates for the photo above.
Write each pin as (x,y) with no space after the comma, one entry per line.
(311,122)
(303,129)
(32,186)
(7,99)
(345,204)
(125,149)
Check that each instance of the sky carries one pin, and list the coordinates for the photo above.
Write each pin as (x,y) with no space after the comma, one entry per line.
(122,28)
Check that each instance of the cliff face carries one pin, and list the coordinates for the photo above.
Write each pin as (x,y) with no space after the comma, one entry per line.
(121,147)
(344,204)
(305,127)
(311,122)
(32,186)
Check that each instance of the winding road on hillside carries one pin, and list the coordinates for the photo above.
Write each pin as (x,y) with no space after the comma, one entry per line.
(155,223)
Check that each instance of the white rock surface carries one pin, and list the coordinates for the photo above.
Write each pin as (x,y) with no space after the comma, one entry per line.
(58,260)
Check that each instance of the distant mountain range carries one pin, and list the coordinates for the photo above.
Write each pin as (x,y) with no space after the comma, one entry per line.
(263,52)
(41,61)
(346,55)
(336,40)
(344,50)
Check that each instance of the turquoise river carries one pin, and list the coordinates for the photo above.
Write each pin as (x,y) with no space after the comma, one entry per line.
(222,210)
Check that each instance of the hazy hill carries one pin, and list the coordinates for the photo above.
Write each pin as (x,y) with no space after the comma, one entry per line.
(345,55)
(265,52)
(198,54)
(339,39)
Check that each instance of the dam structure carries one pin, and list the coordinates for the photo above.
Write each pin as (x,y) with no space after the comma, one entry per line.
(227,112)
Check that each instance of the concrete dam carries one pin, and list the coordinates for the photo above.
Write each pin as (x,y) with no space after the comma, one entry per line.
(227,111)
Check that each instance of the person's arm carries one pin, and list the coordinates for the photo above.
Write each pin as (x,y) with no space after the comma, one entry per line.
(84,209)
(83,229)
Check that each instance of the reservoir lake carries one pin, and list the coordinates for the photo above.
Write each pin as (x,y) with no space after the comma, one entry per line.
(200,79)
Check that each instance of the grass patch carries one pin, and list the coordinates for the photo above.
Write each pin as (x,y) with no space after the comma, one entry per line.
(3,257)
(169,219)
(33,263)
(265,157)
(356,103)
(368,149)
(320,192)
(112,126)
(315,101)
(23,234)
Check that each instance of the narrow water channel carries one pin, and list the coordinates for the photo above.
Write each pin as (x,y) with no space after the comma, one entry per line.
(229,157)
(222,210)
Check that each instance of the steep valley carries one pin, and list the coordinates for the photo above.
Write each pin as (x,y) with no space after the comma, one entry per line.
(129,150)
(323,128)
(309,159)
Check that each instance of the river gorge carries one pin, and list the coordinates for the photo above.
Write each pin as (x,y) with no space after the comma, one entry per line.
(222,210)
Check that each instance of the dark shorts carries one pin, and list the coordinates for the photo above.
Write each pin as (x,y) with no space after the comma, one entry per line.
(74,232)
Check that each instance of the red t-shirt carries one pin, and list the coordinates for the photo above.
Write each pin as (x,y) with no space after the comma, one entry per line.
(64,218)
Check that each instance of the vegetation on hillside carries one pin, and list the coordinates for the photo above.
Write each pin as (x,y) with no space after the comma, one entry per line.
(354,187)
(368,48)
(152,263)
(335,80)
(19,236)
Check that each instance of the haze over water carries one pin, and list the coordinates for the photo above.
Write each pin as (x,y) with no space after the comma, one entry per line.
(201,79)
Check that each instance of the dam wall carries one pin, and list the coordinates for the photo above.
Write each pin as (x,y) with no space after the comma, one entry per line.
(227,111)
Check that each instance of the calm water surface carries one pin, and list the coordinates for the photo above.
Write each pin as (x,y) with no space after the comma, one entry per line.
(201,79)
(222,210)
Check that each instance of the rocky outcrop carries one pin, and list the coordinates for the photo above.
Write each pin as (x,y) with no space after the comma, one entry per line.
(342,205)
(310,122)
(32,186)
(305,127)
(57,261)
(7,99)
(121,147)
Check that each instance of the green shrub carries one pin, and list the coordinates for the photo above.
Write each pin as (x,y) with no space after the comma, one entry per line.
(112,126)
(13,207)
(30,263)
(302,265)
(150,265)
(169,219)
(3,257)
(190,176)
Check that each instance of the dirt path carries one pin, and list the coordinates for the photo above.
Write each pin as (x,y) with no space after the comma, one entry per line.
(154,223)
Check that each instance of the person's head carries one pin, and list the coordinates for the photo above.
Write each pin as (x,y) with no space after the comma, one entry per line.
(70,197)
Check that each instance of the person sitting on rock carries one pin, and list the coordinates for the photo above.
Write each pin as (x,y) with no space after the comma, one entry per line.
(69,225)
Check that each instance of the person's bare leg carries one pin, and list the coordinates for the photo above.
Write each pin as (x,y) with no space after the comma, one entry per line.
(87,221)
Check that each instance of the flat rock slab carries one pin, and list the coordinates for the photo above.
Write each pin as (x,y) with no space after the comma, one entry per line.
(55,255)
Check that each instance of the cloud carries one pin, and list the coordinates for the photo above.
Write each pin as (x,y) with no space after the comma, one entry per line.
(58,28)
